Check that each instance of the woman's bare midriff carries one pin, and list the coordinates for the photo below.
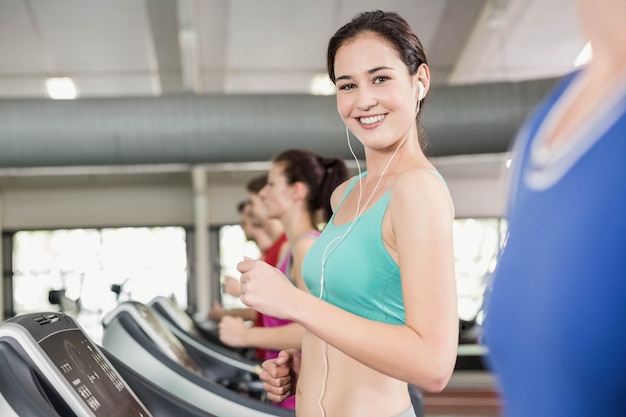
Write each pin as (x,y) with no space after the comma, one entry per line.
(351,389)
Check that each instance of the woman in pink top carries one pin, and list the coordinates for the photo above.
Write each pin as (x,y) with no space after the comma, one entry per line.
(298,194)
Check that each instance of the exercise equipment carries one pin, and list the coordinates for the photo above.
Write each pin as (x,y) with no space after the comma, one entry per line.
(138,337)
(188,332)
(50,368)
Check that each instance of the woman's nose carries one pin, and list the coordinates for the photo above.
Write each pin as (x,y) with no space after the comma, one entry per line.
(366,99)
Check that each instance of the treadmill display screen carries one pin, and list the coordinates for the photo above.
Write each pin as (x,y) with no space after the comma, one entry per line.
(91,376)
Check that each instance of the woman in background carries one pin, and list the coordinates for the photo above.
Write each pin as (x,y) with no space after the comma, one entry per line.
(298,194)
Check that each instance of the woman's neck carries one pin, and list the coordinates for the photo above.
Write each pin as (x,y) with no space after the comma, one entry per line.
(408,157)
(298,224)
(274,228)
(603,24)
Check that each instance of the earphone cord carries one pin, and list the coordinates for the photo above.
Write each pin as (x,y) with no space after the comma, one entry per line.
(340,239)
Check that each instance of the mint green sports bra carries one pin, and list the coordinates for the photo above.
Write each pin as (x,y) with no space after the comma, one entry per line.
(360,275)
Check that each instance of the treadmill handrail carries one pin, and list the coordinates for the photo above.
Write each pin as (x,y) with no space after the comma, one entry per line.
(254,368)
(164,308)
(21,392)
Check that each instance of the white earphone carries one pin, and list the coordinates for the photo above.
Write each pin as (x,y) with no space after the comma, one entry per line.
(421,88)
(420,96)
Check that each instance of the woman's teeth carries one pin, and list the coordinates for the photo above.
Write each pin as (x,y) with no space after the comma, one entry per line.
(371,119)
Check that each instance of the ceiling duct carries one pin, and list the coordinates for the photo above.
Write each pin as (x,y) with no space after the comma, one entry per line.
(467,119)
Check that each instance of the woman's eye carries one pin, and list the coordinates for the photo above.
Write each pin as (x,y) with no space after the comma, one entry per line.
(380,79)
(347,87)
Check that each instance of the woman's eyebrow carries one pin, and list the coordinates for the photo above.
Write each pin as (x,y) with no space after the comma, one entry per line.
(371,71)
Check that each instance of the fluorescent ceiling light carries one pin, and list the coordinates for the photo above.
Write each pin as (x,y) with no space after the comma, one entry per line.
(61,88)
(584,56)
(321,85)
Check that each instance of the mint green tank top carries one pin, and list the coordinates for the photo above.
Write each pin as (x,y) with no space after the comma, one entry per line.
(360,275)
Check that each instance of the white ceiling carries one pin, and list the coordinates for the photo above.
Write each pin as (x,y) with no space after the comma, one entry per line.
(153,47)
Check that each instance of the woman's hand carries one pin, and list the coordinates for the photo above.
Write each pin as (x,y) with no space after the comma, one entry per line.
(233,330)
(217,312)
(280,375)
(231,286)
(266,289)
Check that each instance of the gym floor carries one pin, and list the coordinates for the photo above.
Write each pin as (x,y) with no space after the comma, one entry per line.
(468,394)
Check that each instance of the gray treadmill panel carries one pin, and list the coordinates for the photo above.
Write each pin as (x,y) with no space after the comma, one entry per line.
(80,373)
(90,375)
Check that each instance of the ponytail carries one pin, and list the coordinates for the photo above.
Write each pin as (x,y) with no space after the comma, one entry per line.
(335,172)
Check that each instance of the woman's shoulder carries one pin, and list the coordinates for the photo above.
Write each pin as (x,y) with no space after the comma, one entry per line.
(339,193)
(421,186)
(421,176)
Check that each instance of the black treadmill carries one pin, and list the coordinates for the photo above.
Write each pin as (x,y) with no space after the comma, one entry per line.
(138,337)
(50,368)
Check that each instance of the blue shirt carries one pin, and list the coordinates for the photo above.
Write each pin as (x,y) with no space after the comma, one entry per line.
(556,317)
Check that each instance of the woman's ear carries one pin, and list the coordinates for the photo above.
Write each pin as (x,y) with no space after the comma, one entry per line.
(300,190)
(422,76)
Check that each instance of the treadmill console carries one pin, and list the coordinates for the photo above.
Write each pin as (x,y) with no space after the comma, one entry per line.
(84,377)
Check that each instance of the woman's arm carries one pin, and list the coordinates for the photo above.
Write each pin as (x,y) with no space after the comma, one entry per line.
(217,313)
(234,332)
